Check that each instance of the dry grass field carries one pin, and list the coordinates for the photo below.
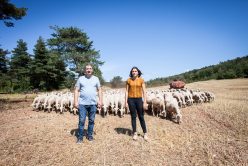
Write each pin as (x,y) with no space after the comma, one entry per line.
(210,134)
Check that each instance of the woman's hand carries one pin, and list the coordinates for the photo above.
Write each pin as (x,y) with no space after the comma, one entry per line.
(145,106)
(126,105)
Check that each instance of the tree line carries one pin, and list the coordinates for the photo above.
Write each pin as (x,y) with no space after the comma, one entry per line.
(53,65)
(230,69)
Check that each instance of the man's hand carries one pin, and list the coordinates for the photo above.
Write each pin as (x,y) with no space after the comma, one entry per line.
(75,105)
(99,106)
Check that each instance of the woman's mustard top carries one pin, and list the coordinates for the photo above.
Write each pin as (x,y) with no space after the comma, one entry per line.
(135,87)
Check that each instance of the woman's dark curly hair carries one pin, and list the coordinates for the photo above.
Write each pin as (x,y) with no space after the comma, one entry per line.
(139,72)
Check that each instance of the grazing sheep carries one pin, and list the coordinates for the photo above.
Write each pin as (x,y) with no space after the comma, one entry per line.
(172,107)
(158,104)
(210,96)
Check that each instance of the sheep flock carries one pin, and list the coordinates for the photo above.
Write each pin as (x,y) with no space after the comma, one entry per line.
(160,103)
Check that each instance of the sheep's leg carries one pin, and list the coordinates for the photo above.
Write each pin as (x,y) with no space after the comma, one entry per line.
(178,116)
(163,110)
(153,110)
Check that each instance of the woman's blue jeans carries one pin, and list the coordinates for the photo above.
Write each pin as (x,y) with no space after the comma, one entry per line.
(83,110)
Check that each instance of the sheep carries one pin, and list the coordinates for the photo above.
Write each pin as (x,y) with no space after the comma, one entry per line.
(105,105)
(36,99)
(180,98)
(149,96)
(188,96)
(196,97)
(210,96)
(40,101)
(51,101)
(121,104)
(172,107)
(158,103)
(66,101)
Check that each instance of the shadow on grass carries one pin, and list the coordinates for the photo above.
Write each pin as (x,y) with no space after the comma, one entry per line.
(74,132)
(125,131)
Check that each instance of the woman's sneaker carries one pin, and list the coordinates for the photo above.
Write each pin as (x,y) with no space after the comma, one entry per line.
(135,136)
(145,137)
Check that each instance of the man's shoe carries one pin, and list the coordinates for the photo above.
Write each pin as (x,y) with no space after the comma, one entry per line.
(90,138)
(135,136)
(79,141)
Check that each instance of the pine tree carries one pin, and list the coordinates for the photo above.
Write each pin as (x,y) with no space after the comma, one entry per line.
(56,71)
(41,58)
(3,70)
(9,11)
(47,68)
(76,49)
(19,67)
(3,60)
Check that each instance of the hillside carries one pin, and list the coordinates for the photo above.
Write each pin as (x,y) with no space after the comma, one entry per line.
(236,68)
(210,134)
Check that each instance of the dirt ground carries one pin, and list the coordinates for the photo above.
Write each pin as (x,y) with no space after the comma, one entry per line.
(210,134)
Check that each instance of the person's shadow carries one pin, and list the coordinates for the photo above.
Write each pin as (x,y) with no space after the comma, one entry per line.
(74,132)
(125,131)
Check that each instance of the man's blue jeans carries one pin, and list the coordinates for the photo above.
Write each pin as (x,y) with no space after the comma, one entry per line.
(83,110)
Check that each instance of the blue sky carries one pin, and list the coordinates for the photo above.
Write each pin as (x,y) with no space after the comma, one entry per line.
(161,37)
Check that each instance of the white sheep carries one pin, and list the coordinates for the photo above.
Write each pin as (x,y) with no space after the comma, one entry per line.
(172,107)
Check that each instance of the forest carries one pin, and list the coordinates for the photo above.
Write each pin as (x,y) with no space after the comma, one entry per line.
(230,69)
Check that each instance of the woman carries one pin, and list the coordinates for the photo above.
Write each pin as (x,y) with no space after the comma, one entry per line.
(135,90)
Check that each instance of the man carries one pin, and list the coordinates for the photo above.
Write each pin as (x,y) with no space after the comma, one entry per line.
(86,91)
